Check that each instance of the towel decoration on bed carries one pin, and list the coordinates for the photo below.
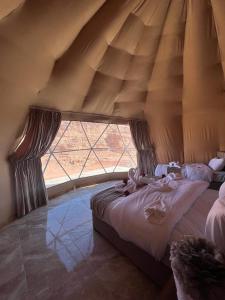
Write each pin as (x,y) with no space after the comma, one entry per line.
(158,210)
(174,176)
(133,182)
(156,213)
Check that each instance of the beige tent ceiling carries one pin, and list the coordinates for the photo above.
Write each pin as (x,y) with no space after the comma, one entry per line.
(162,60)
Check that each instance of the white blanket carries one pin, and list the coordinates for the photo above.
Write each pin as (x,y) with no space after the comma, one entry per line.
(198,172)
(127,215)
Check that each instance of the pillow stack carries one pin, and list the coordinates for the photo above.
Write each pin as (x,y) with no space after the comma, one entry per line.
(217,164)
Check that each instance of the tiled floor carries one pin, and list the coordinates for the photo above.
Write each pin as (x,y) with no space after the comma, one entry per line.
(53,253)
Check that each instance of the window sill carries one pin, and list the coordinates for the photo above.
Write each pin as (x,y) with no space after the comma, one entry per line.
(65,187)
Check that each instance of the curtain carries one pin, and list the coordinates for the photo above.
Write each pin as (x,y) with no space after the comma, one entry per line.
(25,160)
(146,158)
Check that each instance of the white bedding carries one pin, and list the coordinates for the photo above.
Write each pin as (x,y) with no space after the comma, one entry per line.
(193,222)
(194,171)
(126,215)
(198,172)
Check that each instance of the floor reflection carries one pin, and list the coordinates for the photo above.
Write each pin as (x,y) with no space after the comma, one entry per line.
(71,246)
(70,232)
(53,253)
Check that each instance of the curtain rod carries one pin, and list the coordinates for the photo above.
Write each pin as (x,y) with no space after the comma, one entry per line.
(87,117)
(44,108)
(91,117)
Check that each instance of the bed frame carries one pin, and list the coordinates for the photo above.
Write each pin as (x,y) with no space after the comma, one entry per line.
(156,270)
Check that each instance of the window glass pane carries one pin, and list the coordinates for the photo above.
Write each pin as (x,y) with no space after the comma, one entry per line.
(83,149)
(109,158)
(93,131)
(54,173)
(92,166)
(64,125)
(44,161)
(111,139)
(125,163)
(133,155)
(74,138)
(72,161)
(125,135)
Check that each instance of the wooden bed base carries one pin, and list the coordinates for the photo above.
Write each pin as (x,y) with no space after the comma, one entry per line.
(156,270)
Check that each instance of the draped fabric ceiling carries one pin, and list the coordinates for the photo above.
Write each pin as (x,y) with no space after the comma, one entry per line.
(162,60)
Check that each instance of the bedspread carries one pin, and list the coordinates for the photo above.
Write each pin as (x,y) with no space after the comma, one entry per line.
(126,214)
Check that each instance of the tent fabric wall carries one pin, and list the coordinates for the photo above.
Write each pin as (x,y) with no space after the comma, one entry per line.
(163,61)
(203,93)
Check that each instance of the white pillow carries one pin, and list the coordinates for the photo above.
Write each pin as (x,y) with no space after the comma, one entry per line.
(161,169)
(217,164)
(198,172)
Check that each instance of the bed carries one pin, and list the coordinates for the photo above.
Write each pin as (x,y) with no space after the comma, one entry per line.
(155,263)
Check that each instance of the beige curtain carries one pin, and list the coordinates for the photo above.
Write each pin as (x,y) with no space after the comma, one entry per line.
(28,181)
(146,158)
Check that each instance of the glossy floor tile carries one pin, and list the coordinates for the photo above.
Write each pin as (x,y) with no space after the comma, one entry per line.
(53,253)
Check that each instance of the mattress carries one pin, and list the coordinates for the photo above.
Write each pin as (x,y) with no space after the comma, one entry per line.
(193,222)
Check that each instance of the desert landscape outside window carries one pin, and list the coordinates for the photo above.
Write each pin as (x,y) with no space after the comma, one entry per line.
(83,149)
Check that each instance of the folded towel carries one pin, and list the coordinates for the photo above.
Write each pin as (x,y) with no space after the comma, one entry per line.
(156,213)
(133,183)
(174,176)
(162,186)
(134,175)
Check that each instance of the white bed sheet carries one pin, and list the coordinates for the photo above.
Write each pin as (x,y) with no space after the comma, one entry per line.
(193,222)
(126,215)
